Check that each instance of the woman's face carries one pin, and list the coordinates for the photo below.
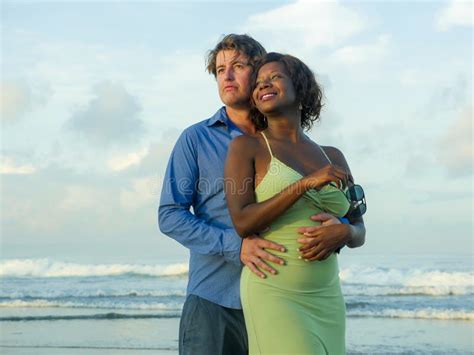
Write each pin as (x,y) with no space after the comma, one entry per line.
(274,89)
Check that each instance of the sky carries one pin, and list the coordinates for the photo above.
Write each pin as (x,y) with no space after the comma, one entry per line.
(94,95)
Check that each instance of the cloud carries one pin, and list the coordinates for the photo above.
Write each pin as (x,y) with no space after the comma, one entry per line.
(9,166)
(60,205)
(306,24)
(354,54)
(409,78)
(457,13)
(180,92)
(455,146)
(124,162)
(157,159)
(17,98)
(112,116)
(450,96)
(77,198)
(142,193)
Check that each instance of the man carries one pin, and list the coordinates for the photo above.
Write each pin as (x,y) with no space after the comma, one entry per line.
(212,320)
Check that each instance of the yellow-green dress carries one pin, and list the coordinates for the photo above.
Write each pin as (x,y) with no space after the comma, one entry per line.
(300,310)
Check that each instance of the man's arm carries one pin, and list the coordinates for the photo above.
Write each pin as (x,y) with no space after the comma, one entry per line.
(356,234)
(178,193)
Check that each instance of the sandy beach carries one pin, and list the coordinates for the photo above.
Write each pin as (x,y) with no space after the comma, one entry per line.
(159,336)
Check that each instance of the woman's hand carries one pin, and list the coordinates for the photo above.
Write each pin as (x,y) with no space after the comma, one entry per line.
(323,176)
(323,241)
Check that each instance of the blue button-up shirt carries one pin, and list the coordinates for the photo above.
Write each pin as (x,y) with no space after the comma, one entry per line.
(195,178)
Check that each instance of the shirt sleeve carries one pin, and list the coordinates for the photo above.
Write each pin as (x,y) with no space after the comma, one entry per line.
(174,216)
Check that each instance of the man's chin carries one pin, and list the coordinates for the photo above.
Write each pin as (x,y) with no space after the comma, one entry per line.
(236,102)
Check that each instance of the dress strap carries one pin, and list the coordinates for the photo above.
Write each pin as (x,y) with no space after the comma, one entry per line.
(329,160)
(268,144)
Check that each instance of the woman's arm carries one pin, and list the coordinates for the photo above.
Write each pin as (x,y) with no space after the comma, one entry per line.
(247,215)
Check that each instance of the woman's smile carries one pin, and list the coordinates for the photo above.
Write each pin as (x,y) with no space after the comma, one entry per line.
(267,96)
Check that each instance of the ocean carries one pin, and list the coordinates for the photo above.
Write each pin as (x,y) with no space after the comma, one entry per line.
(396,304)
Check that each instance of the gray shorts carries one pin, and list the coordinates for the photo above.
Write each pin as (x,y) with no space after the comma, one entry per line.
(209,329)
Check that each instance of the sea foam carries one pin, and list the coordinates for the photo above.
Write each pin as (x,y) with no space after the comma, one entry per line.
(49,268)
(424,313)
(408,277)
(90,305)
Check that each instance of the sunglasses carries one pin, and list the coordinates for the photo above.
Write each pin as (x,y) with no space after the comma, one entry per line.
(356,197)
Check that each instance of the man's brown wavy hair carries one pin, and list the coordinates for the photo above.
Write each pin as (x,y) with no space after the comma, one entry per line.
(243,44)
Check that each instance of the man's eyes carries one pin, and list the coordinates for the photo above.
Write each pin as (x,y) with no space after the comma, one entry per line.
(235,67)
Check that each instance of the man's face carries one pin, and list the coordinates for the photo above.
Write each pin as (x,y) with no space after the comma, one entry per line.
(233,74)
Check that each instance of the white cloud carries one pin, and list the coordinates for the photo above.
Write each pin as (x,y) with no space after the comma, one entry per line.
(141,194)
(457,13)
(306,24)
(71,66)
(451,95)
(61,205)
(112,116)
(80,198)
(455,146)
(360,54)
(119,163)
(409,78)
(180,92)
(17,98)
(9,166)
(158,154)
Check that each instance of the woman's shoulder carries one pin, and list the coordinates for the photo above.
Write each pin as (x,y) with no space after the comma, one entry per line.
(335,155)
(245,139)
(245,143)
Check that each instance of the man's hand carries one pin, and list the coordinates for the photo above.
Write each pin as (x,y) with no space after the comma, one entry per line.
(254,256)
(320,241)
(326,219)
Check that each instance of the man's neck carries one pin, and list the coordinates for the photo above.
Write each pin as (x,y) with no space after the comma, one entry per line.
(241,118)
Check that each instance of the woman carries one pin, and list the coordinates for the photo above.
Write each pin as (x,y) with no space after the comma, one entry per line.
(279,178)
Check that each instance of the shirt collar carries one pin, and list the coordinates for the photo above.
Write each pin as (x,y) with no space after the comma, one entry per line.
(220,116)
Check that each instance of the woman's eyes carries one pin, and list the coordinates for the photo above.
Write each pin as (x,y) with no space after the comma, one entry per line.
(273,77)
